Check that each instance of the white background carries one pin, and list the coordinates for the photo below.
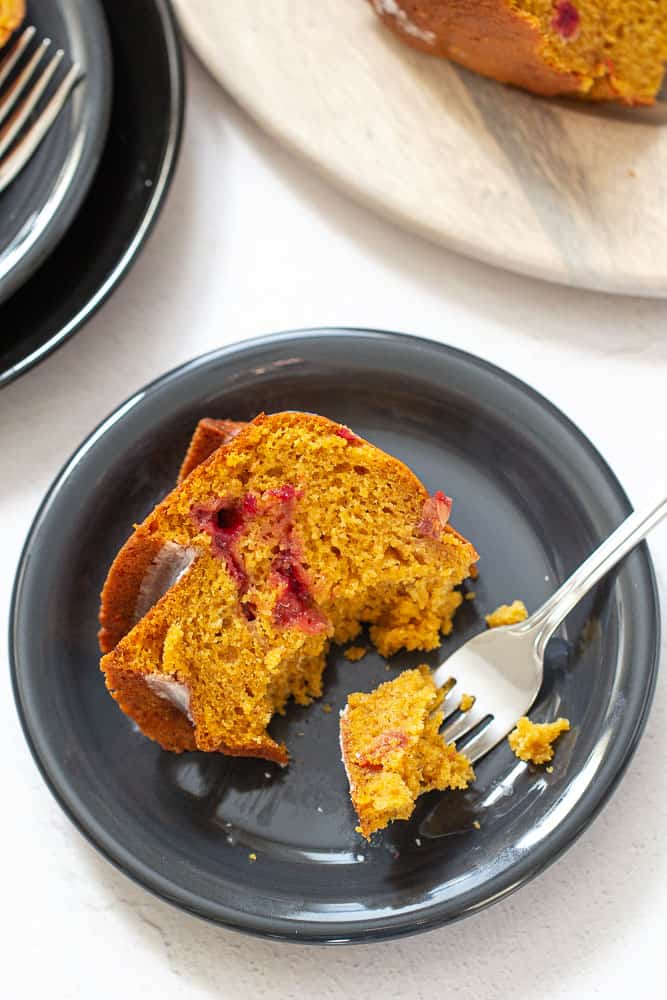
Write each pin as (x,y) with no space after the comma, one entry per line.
(251,242)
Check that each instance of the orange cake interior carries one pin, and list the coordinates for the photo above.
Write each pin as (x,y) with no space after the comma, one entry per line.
(12,13)
(393,751)
(223,603)
(533,741)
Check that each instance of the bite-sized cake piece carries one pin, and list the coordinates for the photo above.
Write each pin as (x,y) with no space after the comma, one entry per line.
(507,614)
(223,603)
(12,13)
(209,435)
(533,741)
(598,49)
(393,751)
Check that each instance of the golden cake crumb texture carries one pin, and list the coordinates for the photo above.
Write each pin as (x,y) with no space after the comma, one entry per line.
(12,13)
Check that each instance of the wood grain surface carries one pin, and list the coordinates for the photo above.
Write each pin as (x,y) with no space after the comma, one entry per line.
(567,192)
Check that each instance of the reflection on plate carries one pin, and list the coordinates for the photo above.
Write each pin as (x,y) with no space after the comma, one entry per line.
(533,495)
(37,208)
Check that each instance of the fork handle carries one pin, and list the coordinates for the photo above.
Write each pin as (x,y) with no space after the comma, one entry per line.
(546,619)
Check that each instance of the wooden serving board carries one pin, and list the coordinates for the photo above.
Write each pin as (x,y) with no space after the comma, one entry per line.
(563,191)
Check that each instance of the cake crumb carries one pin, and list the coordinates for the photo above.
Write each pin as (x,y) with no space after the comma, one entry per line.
(267,774)
(326,707)
(354,653)
(476,823)
(387,667)
(301,734)
(471,595)
(507,614)
(549,769)
(533,741)
(418,841)
(252,856)
(466,703)
(320,809)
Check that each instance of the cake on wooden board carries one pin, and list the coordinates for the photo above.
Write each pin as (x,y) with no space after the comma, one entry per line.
(597,49)
(223,603)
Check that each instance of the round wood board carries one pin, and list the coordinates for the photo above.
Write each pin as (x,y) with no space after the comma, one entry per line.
(567,192)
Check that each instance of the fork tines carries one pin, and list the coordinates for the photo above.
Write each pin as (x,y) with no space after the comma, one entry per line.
(18,139)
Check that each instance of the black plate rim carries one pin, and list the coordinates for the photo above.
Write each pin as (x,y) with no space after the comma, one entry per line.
(380,928)
(145,224)
(86,162)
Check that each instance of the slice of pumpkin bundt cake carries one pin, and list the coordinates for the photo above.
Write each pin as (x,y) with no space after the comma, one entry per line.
(222,604)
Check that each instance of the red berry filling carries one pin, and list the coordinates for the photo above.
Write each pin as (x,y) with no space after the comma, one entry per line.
(295,604)
(286,494)
(373,758)
(435,515)
(347,435)
(566,20)
(225,521)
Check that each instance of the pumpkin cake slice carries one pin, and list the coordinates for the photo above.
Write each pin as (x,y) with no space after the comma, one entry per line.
(223,603)
(393,751)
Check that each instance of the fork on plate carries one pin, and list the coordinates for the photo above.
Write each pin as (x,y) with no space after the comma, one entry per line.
(25,118)
(503,668)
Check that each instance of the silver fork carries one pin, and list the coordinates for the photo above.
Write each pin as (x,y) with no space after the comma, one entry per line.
(16,145)
(503,668)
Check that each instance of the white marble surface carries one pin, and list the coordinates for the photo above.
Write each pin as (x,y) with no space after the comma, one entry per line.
(251,242)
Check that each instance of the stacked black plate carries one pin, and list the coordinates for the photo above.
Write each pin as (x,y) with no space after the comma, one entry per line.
(73,221)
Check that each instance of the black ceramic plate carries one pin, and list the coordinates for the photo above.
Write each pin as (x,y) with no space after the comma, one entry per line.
(38,207)
(125,196)
(534,496)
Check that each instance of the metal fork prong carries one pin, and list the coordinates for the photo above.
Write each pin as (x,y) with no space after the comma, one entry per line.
(463,724)
(8,101)
(450,702)
(15,53)
(19,156)
(485,740)
(14,126)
